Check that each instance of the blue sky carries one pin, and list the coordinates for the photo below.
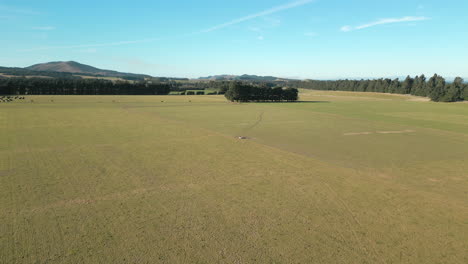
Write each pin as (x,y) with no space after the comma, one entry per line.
(319,39)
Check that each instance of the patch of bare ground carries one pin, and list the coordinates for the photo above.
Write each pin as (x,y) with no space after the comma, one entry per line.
(413,98)
(396,132)
(379,132)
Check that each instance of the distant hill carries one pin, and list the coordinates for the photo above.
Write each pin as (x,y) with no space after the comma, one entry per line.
(78,68)
(219,77)
(244,77)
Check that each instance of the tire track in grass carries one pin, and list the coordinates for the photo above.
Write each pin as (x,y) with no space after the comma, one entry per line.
(259,120)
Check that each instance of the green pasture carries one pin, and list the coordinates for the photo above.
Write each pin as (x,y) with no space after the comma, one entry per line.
(339,177)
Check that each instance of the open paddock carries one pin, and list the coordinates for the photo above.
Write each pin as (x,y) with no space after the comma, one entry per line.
(165,179)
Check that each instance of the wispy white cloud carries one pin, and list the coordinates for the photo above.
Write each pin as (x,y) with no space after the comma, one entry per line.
(47,28)
(260,37)
(263,13)
(211,29)
(385,21)
(16,10)
(346,28)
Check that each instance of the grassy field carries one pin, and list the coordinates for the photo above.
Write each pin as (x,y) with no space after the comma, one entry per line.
(337,178)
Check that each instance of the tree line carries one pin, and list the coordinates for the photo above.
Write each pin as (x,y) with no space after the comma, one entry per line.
(436,87)
(74,85)
(52,86)
(244,92)
(182,86)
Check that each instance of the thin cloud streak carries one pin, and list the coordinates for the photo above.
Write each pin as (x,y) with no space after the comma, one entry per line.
(383,22)
(233,22)
(260,14)
(15,10)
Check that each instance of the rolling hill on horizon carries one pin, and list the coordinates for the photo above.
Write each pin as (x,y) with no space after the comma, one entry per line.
(66,69)
(71,68)
(79,68)
(244,77)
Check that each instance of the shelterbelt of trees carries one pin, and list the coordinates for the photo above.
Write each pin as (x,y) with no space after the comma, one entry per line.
(51,86)
(244,92)
(75,85)
(435,88)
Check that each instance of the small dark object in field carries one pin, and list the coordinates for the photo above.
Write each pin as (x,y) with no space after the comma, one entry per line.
(162,101)
(241,137)
(52,101)
(32,101)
